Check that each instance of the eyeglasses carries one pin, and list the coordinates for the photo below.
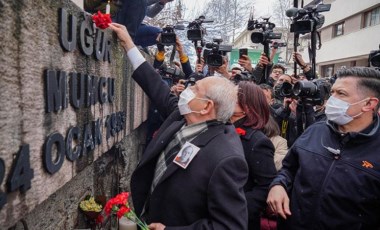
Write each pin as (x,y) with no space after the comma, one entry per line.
(277,71)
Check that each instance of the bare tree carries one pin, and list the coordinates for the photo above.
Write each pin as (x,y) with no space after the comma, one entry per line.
(228,16)
(283,24)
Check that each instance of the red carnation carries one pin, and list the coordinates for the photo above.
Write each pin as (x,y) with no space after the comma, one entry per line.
(122,211)
(101,20)
(240,131)
(99,219)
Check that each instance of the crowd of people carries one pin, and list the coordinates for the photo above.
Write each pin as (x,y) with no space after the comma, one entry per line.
(252,163)
(228,151)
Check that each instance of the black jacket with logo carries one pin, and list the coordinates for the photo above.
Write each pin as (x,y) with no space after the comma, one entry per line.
(333,178)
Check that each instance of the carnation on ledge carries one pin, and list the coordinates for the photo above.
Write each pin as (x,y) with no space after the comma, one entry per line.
(119,205)
(101,20)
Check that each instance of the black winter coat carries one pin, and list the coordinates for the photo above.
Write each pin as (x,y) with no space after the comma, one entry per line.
(333,179)
(259,153)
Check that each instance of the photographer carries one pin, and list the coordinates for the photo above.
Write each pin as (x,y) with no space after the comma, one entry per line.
(184,60)
(285,114)
(258,71)
(235,69)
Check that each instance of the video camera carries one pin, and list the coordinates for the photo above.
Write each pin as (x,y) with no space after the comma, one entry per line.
(215,53)
(374,58)
(264,33)
(312,93)
(243,76)
(171,74)
(196,31)
(305,19)
(168,36)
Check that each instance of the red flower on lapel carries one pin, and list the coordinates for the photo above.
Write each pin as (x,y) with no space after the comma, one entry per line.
(240,131)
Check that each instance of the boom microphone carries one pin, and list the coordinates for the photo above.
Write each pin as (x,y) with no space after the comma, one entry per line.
(293,12)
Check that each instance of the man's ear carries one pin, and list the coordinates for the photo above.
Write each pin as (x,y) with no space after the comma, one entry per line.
(371,105)
(209,108)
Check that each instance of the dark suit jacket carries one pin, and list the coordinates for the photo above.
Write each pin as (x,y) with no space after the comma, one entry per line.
(208,194)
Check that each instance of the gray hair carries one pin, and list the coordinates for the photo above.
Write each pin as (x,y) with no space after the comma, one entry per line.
(224,95)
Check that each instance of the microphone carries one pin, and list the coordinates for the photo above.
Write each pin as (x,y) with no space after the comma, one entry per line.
(333,151)
(291,12)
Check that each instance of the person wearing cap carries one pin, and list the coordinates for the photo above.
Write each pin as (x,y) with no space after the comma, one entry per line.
(236,69)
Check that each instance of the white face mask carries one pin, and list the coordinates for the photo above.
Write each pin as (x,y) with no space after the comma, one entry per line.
(183,103)
(336,110)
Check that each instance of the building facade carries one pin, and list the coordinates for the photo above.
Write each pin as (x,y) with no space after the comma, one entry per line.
(244,41)
(351,30)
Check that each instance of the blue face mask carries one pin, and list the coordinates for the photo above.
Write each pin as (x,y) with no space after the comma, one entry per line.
(336,110)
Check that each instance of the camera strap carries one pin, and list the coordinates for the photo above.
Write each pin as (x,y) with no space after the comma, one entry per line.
(319,40)
(284,127)
(172,56)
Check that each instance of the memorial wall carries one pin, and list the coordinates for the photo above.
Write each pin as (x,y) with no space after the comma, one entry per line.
(66,99)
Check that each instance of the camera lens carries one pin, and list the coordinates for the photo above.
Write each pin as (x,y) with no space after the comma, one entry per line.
(286,89)
(305,89)
(257,37)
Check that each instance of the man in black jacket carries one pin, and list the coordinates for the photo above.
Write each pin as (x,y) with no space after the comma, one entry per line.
(332,172)
(208,192)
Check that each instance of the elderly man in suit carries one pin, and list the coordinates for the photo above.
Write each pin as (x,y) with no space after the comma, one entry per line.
(208,193)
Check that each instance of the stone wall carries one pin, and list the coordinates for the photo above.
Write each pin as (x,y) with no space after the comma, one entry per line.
(30,47)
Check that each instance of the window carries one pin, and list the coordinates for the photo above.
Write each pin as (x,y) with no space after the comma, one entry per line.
(338,29)
(328,70)
(372,17)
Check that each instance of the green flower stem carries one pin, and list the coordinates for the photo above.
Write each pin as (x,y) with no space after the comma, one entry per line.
(132,216)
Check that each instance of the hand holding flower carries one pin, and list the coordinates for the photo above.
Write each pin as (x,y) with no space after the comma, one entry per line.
(119,205)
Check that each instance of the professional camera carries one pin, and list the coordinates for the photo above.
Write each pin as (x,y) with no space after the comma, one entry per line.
(243,76)
(374,58)
(191,81)
(194,77)
(264,31)
(171,72)
(307,19)
(312,93)
(284,89)
(196,31)
(216,52)
(168,37)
